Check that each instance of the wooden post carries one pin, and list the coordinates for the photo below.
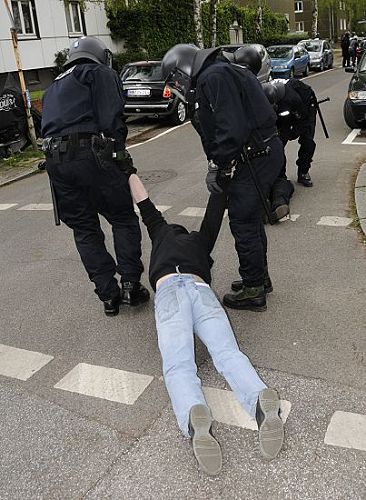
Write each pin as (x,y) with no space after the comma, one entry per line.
(14,38)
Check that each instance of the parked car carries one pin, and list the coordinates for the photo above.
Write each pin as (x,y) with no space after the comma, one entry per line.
(146,94)
(264,74)
(288,60)
(320,52)
(354,109)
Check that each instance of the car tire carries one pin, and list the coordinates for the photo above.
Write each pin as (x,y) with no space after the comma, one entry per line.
(179,115)
(330,65)
(348,115)
(292,72)
(306,72)
(322,66)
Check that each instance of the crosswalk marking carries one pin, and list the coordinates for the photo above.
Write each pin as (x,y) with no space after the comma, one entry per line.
(347,430)
(227,409)
(5,206)
(334,220)
(20,363)
(106,383)
(37,206)
(163,208)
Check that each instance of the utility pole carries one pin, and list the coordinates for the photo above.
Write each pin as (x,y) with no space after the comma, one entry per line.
(14,38)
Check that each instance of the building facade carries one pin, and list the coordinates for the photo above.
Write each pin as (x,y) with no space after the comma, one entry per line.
(285,7)
(332,20)
(46,27)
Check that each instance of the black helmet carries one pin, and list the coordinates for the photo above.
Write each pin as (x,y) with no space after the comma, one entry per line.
(249,57)
(88,47)
(274,91)
(181,64)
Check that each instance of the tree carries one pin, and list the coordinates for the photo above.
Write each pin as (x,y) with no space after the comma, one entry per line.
(314,20)
(213,22)
(197,16)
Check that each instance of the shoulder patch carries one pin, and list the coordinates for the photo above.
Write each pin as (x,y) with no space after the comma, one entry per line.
(66,73)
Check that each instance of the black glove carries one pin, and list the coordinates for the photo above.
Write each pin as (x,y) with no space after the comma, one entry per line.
(216,178)
(125,162)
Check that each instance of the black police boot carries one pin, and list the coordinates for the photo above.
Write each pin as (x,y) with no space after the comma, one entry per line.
(268,287)
(205,447)
(279,208)
(111,306)
(270,425)
(133,293)
(304,179)
(251,298)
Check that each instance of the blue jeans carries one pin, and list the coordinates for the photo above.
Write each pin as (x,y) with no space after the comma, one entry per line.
(182,308)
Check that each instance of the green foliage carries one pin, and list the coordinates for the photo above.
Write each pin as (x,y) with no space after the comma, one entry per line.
(60,59)
(151,27)
(288,39)
(120,59)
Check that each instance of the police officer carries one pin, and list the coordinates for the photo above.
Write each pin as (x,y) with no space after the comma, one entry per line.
(233,112)
(295,105)
(84,141)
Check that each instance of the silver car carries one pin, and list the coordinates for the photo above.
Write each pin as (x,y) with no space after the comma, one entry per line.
(320,52)
(264,74)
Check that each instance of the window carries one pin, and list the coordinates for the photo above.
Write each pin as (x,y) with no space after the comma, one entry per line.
(300,26)
(74,18)
(24,14)
(299,7)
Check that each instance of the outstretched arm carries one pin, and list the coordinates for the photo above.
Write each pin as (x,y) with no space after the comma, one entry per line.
(137,189)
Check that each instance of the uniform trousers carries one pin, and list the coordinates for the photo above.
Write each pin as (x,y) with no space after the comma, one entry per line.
(184,308)
(84,190)
(245,212)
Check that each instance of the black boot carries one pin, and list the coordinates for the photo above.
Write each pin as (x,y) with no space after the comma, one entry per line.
(251,298)
(268,287)
(133,293)
(304,179)
(111,306)
(280,208)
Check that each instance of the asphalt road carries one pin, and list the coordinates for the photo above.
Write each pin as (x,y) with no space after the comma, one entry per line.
(106,430)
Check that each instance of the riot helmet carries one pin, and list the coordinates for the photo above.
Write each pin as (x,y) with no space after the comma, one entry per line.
(274,91)
(249,57)
(181,65)
(89,48)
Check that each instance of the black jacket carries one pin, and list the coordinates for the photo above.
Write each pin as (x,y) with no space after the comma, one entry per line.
(176,250)
(231,105)
(86,98)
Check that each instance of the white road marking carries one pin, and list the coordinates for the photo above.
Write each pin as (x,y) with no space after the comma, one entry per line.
(20,363)
(292,218)
(5,206)
(352,136)
(227,409)
(158,136)
(193,212)
(106,383)
(334,220)
(163,208)
(347,430)
(37,206)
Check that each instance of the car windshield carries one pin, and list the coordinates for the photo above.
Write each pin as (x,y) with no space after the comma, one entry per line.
(280,52)
(143,73)
(312,46)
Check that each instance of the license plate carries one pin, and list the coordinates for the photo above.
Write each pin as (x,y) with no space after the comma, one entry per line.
(138,92)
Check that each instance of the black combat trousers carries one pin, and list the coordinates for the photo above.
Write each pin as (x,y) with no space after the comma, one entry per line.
(246,213)
(83,191)
(304,132)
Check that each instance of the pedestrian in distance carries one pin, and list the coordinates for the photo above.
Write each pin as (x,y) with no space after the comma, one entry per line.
(353,46)
(180,273)
(234,117)
(84,142)
(345,41)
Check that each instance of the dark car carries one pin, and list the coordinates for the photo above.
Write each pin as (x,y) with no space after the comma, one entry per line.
(264,74)
(354,110)
(289,61)
(146,94)
(320,52)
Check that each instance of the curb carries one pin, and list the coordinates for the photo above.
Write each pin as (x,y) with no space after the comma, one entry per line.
(360,197)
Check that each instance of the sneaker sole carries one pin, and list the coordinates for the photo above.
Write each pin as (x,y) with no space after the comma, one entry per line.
(271,432)
(205,447)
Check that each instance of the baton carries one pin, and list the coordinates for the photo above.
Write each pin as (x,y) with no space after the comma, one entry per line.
(317,107)
(245,159)
(55,206)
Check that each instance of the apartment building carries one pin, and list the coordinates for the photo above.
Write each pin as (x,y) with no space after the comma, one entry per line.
(46,27)
(332,20)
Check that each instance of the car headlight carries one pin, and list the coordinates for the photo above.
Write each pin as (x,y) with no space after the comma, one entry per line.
(357,95)
(281,66)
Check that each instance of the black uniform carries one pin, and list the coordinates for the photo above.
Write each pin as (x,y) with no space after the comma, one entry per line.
(85,100)
(299,124)
(234,112)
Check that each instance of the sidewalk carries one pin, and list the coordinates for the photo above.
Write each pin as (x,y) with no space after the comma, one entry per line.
(136,130)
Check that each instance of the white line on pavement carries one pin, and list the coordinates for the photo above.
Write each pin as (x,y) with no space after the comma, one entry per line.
(158,136)
(352,136)
(5,206)
(334,220)
(193,212)
(347,430)
(227,409)
(20,363)
(106,383)
(37,206)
